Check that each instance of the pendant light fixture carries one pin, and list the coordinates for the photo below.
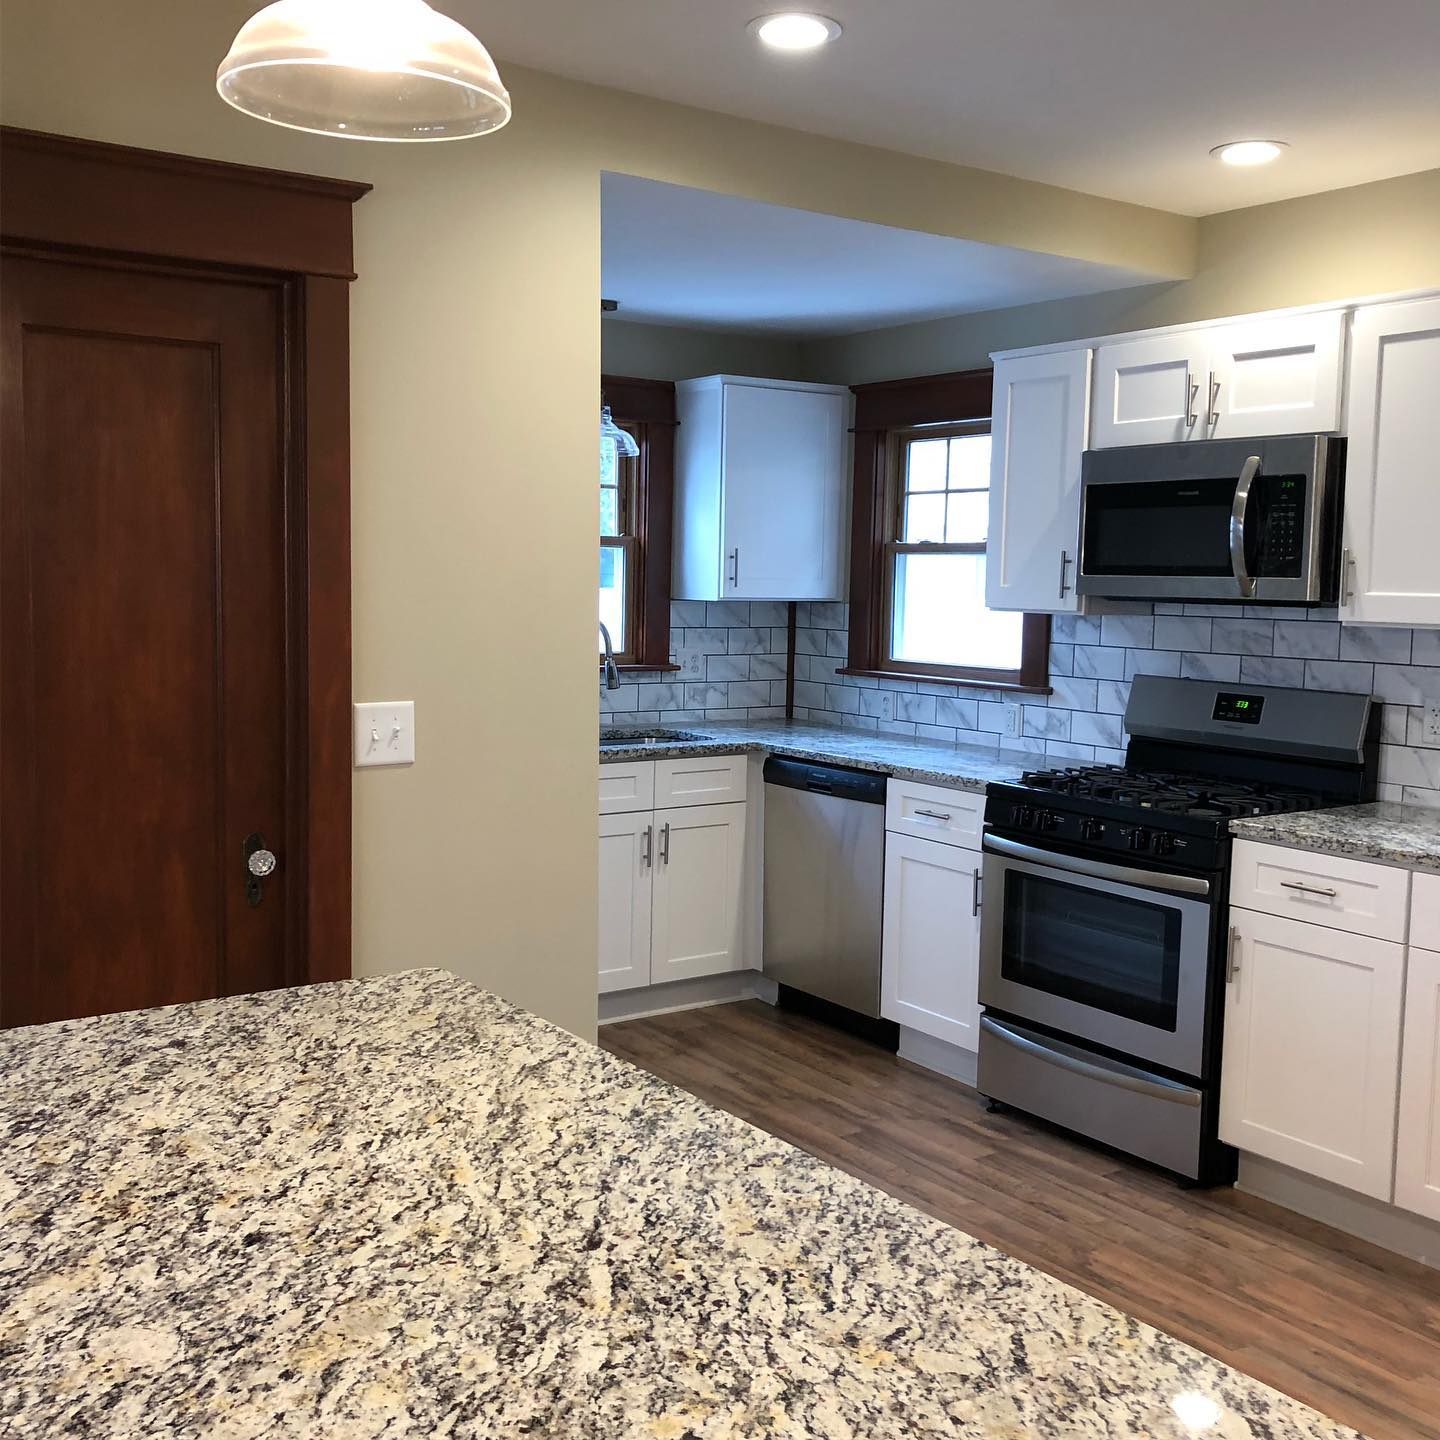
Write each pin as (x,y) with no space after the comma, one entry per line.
(615,440)
(363,70)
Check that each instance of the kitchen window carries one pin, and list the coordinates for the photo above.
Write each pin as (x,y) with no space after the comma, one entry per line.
(636,509)
(919,546)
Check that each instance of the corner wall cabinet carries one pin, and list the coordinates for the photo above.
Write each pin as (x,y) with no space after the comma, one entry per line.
(672,876)
(760,489)
(930,966)
(1346,1085)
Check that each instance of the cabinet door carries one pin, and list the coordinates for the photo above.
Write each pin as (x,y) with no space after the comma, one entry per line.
(1392,500)
(1040,413)
(1417,1150)
(784,476)
(1273,377)
(699,870)
(930,968)
(626,853)
(1311,1053)
(1148,392)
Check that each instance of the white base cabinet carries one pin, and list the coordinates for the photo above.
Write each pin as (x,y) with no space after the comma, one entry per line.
(930,975)
(1417,1148)
(672,878)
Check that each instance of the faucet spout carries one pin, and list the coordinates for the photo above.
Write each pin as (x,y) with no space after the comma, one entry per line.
(612,673)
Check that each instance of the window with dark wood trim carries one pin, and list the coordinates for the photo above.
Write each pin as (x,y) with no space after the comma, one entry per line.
(919,536)
(636,519)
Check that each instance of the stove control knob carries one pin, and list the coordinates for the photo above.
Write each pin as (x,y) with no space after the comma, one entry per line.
(1048,820)
(1091,829)
(1025,816)
(1164,844)
(1139,839)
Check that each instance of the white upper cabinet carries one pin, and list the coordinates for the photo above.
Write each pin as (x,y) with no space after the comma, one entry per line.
(1272,376)
(760,488)
(1392,487)
(1039,414)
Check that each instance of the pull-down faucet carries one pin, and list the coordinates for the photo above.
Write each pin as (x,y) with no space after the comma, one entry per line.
(612,674)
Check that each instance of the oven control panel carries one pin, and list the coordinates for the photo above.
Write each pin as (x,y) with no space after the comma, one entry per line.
(1040,823)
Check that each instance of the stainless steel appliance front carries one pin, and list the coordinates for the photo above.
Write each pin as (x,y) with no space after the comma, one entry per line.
(1234,520)
(1109,953)
(824,881)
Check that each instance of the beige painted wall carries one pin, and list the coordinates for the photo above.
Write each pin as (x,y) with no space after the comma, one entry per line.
(1365,240)
(672,352)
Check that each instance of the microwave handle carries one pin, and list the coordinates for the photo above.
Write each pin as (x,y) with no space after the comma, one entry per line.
(1239,512)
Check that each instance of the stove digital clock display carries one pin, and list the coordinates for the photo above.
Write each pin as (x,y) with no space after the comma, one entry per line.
(1240,709)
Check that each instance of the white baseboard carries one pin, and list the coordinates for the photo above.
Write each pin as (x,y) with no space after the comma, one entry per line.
(938,1055)
(1410,1235)
(686,995)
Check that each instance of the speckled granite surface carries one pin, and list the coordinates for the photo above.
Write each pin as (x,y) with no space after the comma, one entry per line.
(400,1207)
(1397,834)
(966,767)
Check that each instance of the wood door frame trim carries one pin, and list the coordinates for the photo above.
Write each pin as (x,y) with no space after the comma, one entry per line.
(188,215)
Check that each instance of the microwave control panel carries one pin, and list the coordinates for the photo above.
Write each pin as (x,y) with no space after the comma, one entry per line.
(1279,512)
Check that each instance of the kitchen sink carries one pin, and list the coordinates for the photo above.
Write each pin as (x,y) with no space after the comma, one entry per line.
(651,735)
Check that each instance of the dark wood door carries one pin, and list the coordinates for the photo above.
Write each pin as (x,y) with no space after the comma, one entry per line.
(142,637)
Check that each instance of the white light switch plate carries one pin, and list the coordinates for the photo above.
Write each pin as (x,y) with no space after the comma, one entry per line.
(385,732)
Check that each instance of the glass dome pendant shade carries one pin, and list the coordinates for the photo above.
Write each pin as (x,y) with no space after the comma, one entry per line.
(613,438)
(363,70)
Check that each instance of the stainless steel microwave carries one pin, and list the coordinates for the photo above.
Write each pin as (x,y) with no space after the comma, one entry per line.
(1218,520)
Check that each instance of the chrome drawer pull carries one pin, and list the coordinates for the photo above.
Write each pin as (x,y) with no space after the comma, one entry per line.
(1308,889)
(932,814)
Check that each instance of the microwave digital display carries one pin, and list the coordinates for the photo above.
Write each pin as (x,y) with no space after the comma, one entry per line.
(1239,709)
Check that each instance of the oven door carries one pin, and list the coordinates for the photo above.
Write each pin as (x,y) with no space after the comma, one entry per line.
(1114,954)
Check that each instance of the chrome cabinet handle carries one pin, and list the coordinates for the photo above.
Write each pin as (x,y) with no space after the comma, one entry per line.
(1064,566)
(1239,513)
(646,853)
(1192,389)
(975,892)
(1347,570)
(665,843)
(1212,416)
(932,814)
(1321,890)
(735,567)
(1232,957)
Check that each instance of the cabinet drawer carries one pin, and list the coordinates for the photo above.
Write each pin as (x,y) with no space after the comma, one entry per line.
(1330,890)
(934,812)
(1425,912)
(700,780)
(627,785)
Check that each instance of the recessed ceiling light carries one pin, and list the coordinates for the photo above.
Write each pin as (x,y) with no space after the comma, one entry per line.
(795,30)
(1249,152)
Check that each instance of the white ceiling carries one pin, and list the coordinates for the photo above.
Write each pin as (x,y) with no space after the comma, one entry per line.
(672,255)
(1116,97)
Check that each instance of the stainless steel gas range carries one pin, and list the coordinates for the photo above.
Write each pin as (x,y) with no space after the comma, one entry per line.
(1103,953)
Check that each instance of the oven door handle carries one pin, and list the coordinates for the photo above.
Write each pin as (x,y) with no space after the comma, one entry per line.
(1239,513)
(1098,869)
(1110,1074)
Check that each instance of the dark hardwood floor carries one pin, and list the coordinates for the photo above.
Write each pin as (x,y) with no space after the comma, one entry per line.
(1342,1325)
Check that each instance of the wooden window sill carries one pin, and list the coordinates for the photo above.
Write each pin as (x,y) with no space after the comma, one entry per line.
(628,666)
(964,684)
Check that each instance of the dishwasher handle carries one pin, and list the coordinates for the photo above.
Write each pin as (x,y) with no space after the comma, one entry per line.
(861,785)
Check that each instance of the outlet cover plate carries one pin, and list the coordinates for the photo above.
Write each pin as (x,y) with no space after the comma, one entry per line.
(1431,729)
(1014,718)
(691,663)
(384,732)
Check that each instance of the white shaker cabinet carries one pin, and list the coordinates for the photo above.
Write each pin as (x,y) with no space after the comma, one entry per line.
(1312,1049)
(699,877)
(930,968)
(1039,421)
(1277,375)
(1417,1148)
(626,872)
(760,487)
(1392,485)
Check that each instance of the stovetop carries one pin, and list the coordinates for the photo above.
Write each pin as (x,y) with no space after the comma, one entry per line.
(1169,792)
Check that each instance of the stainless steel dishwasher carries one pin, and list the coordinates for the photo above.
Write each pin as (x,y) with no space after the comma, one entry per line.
(824,882)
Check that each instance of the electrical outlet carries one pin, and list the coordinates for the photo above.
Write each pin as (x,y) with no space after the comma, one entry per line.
(887,704)
(691,663)
(1014,719)
(1432,725)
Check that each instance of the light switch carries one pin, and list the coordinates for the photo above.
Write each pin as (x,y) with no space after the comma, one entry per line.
(385,732)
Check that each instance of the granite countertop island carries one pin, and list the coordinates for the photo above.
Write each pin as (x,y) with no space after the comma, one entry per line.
(401,1207)
(965,767)
(1383,830)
